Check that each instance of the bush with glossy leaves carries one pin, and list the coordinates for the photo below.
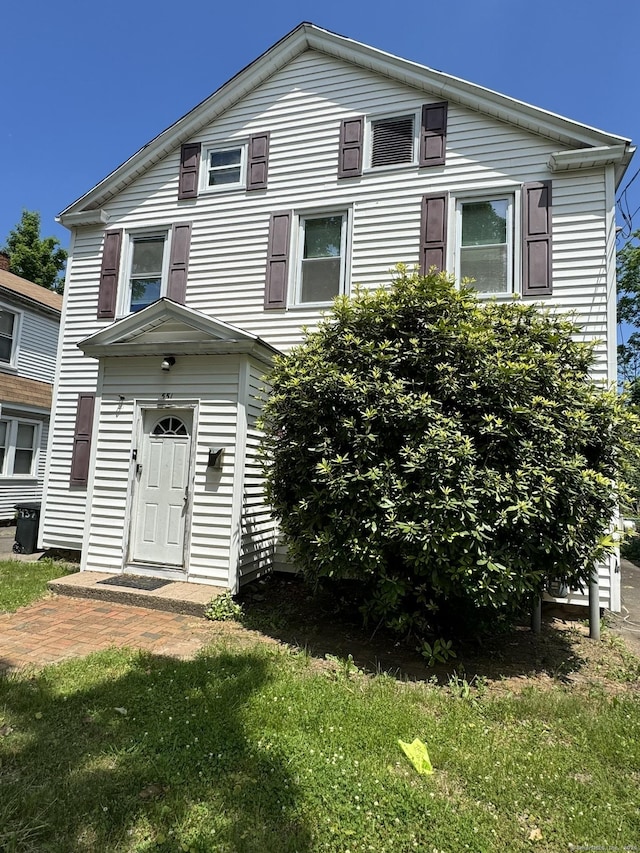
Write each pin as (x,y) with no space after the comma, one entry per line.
(451,455)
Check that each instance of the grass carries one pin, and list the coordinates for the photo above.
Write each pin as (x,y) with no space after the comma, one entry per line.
(21,583)
(262,749)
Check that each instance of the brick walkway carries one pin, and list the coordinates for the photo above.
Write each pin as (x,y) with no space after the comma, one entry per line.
(59,627)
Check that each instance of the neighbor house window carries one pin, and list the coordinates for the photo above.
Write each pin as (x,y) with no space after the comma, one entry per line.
(8,336)
(225,167)
(484,243)
(392,140)
(147,271)
(321,258)
(18,447)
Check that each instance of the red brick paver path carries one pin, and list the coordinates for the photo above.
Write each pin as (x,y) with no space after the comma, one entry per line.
(59,627)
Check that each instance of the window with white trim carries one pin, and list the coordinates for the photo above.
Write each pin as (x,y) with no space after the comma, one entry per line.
(9,325)
(19,441)
(322,251)
(147,271)
(485,243)
(225,167)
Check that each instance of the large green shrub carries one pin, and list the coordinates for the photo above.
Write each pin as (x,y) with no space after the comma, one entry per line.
(450,455)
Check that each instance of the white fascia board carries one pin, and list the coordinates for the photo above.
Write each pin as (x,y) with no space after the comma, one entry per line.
(259,349)
(206,111)
(591,158)
(454,88)
(309,37)
(98,216)
(127,329)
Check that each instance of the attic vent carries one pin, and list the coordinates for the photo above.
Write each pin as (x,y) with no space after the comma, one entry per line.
(392,141)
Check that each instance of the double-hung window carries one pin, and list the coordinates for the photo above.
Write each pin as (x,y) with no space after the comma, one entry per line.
(18,447)
(8,336)
(322,250)
(225,167)
(484,243)
(147,267)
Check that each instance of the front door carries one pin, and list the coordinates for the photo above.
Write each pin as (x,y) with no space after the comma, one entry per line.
(162,488)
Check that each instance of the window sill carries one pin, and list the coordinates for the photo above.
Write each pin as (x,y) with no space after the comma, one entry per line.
(228,188)
(25,478)
(499,297)
(310,306)
(8,368)
(392,167)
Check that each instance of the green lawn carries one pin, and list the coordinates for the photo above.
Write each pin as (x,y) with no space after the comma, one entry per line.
(261,749)
(21,583)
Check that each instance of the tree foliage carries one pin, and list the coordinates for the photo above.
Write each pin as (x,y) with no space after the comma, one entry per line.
(628,276)
(40,260)
(452,456)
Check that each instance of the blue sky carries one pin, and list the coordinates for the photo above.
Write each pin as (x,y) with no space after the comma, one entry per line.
(85,85)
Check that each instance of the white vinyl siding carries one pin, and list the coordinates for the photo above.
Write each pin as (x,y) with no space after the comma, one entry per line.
(210,382)
(302,106)
(258,527)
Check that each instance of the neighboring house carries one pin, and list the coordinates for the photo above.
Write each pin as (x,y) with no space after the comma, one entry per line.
(318,167)
(29,326)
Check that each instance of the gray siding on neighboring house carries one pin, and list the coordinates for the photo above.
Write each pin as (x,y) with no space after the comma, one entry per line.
(38,346)
(37,340)
(19,489)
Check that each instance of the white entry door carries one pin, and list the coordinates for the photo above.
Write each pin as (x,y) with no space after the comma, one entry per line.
(162,489)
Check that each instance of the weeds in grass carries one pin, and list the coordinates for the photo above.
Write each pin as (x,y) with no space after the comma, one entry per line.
(253,750)
(223,608)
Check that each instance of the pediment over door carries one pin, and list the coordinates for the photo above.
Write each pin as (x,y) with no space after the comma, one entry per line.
(166,327)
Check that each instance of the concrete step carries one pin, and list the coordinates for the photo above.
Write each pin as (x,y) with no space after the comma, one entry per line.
(175,597)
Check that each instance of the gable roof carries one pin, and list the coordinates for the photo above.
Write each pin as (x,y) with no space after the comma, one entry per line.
(28,291)
(168,328)
(307,36)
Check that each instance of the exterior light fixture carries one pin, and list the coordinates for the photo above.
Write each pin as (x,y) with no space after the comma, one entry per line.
(214,459)
(167,363)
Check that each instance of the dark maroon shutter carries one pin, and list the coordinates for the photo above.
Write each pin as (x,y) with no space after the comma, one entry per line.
(433,232)
(351,145)
(108,293)
(81,453)
(179,262)
(258,161)
(275,294)
(433,134)
(189,170)
(536,239)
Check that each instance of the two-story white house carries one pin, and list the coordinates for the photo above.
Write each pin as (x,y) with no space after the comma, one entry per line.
(29,326)
(318,167)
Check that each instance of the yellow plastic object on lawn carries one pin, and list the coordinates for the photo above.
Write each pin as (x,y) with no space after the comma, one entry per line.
(417,754)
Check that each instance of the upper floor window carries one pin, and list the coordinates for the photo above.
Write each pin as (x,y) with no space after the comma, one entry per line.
(321,271)
(225,167)
(8,336)
(484,243)
(18,447)
(392,140)
(147,271)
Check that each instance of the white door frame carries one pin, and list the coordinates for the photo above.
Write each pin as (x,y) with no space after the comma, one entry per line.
(142,407)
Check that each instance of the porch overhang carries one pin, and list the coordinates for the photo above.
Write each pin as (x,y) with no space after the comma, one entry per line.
(168,328)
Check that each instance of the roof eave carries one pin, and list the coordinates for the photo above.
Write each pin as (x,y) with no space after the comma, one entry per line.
(308,36)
